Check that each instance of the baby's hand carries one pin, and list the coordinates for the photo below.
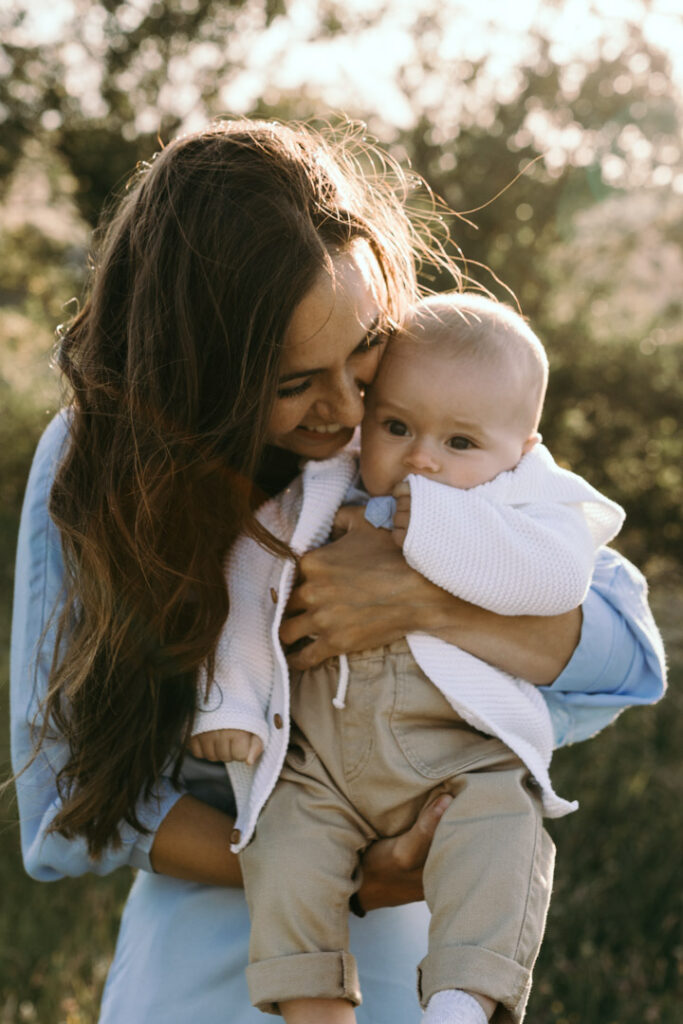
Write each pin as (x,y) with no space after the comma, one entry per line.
(227,745)
(402,517)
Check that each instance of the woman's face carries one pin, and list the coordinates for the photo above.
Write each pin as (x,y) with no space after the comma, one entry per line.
(332,350)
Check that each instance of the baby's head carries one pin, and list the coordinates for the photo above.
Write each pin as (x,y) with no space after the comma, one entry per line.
(458,395)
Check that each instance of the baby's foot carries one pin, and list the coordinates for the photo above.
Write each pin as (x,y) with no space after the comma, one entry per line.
(453,1006)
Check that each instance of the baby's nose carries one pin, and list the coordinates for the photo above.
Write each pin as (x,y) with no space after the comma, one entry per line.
(422,458)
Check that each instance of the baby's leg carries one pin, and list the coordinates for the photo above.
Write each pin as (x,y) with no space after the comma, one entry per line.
(298,875)
(317,1011)
(487,881)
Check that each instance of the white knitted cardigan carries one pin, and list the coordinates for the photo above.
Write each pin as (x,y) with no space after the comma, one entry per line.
(522,544)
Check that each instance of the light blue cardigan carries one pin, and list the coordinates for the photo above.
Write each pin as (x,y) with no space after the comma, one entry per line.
(183,947)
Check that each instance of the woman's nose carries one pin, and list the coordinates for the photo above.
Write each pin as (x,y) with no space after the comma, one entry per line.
(421,456)
(345,402)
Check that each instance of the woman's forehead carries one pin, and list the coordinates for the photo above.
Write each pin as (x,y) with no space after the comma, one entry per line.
(339,309)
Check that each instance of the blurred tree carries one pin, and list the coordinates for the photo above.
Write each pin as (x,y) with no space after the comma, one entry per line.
(590,241)
(116,81)
(604,128)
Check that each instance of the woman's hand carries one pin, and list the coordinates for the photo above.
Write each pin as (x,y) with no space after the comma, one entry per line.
(392,868)
(352,594)
(359,592)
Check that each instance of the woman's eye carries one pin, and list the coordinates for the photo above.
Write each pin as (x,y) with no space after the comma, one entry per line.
(396,427)
(461,444)
(296,389)
(372,341)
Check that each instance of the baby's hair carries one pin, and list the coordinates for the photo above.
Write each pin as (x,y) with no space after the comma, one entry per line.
(472,326)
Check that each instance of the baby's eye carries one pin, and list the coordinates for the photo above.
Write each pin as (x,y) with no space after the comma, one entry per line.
(396,427)
(460,443)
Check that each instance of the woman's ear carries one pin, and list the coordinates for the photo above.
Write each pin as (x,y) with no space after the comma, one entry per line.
(531,442)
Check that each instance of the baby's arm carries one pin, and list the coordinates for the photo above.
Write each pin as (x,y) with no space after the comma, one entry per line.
(492,548)
(230,722)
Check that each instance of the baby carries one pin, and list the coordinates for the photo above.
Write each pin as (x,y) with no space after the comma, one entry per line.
(480,508)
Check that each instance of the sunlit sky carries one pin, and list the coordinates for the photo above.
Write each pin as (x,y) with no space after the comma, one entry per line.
(357,69)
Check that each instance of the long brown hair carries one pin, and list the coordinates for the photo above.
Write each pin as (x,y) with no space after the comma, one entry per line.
(172,366)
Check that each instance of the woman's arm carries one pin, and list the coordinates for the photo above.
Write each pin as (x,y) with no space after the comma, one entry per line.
(620,661)
(359,593)
(193,843)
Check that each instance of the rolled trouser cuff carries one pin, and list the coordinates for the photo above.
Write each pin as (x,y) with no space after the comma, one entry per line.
(476,969)
(303,976)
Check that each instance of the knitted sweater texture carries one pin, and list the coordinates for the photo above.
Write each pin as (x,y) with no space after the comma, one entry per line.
(522,544)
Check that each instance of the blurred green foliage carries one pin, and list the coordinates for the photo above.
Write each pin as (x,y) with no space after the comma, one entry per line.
(589,239)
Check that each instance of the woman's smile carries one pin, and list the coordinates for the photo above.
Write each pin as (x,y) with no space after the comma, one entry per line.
(331,352)
(323,428)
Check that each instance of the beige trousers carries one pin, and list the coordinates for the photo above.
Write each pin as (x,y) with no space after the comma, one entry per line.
(352,776)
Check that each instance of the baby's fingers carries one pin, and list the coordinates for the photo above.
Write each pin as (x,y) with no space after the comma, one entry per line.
(402,513)
(238,745)
(255,750)
(399,537)
(209,745)
(197,748)
(348,518)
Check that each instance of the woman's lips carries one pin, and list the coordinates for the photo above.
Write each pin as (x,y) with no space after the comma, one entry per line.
(328,439)
(323,429)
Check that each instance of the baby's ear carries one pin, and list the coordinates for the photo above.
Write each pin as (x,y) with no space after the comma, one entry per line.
(531,442)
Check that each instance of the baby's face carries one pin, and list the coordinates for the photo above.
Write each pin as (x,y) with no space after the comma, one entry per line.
(451,420)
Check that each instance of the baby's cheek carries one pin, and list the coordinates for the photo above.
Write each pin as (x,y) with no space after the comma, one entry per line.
(369,475)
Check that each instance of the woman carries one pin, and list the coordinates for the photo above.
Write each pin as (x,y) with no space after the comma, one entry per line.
(236,254)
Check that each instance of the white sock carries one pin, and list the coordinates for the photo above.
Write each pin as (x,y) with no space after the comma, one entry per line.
(453,1006)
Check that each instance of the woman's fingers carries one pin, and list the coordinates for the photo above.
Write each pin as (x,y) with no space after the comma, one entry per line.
(392,868)
(294,628)
(309,654)
(348,597)
(411,848)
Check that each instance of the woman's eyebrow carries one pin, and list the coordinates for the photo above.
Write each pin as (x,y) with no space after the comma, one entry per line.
(370,332)
(300,373)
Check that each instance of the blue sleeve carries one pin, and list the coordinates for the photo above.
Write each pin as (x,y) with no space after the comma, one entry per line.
(619,661)
(38,585)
